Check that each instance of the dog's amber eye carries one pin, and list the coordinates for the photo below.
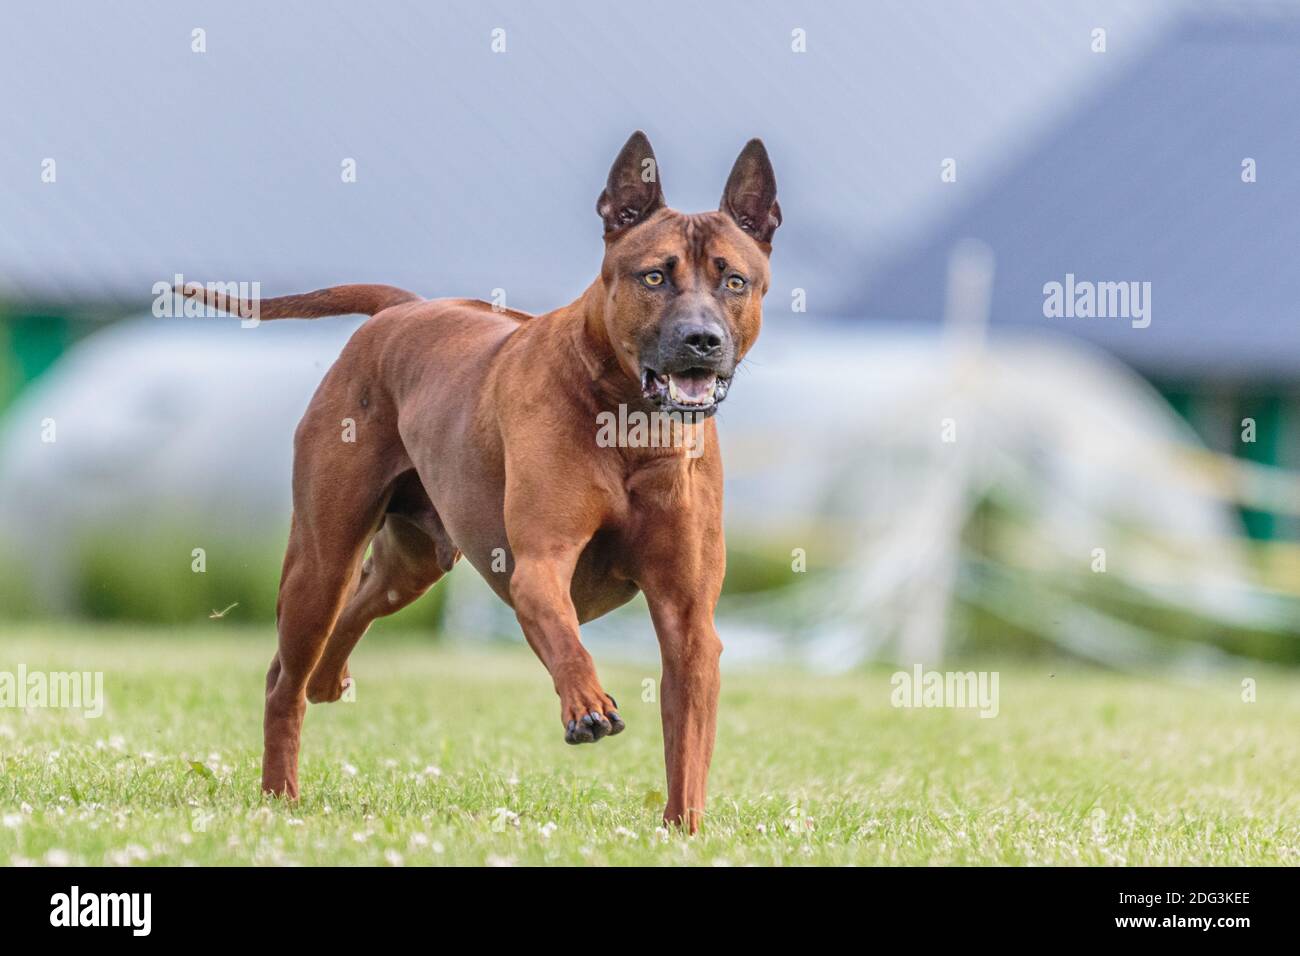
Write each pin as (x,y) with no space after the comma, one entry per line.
(653,279)
(735,283)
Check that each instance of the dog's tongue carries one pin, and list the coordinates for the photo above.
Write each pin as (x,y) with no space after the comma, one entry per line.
(692,387)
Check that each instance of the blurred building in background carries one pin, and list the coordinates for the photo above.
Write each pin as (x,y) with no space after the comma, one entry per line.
(1175,174)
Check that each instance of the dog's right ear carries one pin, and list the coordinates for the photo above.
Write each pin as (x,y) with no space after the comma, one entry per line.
(633,191)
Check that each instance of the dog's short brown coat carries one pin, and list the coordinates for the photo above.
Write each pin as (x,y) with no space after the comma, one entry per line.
(475,435)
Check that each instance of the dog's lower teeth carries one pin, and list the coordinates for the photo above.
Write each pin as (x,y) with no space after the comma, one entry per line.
(676,394)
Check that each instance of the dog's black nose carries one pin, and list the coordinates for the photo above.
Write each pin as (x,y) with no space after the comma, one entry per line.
(702,341)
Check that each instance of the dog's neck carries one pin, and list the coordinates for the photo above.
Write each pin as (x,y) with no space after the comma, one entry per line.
(611,383)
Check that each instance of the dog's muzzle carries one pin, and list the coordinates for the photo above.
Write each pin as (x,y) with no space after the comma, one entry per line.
(694,368)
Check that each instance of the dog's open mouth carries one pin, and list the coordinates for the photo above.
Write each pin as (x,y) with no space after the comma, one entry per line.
(690,390)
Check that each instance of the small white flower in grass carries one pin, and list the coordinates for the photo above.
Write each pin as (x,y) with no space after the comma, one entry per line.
(393,858)
(661,834)
(431,771)
(57,857)
(21,861)
(1097,820)
(503,817)
(761,828)
(436,847)
(390,763)
(419,839)
(350,770)
(7,732)
(359,837)
(25,807)
(294,822)
(494,860)
(130,854)
(624,832)
(546,829)
(12,821)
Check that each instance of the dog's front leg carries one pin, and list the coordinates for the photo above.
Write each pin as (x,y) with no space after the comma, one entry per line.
(539,590)
(688,702)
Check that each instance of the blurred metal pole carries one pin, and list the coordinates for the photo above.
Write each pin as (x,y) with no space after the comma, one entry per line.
(966,314)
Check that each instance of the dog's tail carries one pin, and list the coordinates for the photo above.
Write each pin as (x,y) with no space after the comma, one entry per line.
(336,300)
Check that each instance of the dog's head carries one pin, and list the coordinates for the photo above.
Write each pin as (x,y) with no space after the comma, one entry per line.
(684,293)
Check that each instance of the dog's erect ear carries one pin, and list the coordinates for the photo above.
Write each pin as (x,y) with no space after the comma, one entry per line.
(633,191)
(750,195)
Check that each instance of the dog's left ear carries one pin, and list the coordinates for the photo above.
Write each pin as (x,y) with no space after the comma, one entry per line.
(633,191)
(750,196)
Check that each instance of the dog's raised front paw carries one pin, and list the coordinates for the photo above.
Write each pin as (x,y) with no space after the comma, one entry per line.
(594,724)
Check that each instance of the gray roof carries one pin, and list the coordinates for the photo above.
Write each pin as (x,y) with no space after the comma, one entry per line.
(1143,182)
(479,170)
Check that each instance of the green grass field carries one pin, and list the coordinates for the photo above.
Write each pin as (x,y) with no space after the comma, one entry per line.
(454,756)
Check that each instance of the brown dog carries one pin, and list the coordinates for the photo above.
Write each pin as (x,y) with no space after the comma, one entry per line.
(475,433)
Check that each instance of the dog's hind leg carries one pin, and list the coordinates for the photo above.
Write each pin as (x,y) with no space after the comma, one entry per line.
(338,504)
(319,565)
(405,562)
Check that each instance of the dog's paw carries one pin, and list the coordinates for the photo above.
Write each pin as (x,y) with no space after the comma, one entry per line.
(594,724)
(325,690)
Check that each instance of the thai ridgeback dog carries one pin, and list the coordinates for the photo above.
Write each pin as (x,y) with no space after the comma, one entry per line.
(476,434)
